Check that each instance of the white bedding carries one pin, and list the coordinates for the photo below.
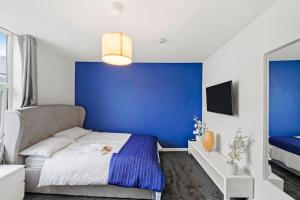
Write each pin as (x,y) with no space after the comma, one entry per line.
(74,133)
(35,161)
(82,163)
(48,147)
(291,160)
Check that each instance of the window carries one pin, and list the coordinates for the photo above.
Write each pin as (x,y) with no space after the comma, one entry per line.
(5,78)
(3,60)
(5,71)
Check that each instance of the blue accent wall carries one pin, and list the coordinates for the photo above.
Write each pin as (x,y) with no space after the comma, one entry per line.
(284,95)
(150,98)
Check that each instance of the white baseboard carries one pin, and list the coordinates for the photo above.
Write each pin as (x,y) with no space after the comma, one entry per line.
(173,149)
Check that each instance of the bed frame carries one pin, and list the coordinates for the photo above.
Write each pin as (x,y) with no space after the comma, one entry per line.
(27,126)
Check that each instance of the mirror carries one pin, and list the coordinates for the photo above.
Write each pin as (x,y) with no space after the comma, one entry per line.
(283,94)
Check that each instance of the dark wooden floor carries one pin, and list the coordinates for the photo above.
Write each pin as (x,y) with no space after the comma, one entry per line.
(291,181)
(185,180)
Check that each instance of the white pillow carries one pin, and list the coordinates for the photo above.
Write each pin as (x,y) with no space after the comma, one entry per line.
(47,147)
(74,133)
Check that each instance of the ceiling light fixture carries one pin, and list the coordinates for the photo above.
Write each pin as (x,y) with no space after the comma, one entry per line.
(116,46)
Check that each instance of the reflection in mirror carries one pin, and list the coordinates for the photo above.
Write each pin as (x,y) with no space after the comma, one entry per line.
(284,119)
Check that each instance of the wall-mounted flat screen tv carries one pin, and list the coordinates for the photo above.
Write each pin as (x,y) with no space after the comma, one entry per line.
(219,98)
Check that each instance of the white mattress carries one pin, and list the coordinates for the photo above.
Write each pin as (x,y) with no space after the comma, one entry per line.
(34,161)
(291,160)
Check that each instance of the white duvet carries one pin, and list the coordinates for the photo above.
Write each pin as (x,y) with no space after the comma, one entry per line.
(82,163)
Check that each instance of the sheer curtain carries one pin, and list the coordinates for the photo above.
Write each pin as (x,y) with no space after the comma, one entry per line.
(29,70)
(5,64)
(4,106)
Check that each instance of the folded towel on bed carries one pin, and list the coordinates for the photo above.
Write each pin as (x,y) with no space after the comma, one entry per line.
(136,165)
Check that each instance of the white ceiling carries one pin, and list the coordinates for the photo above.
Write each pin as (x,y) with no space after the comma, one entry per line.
(290,52)
(194,28)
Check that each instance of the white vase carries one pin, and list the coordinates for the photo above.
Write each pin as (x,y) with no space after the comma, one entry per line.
(233,168)
(199,138)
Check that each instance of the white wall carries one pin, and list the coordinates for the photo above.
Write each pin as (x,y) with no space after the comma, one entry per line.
(56,76)
(242,60)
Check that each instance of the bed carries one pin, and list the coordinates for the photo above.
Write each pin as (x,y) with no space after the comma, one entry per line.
(28,126)
(285,152)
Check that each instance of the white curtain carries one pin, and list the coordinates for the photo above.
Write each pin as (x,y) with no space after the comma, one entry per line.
(3,104)
(29,70)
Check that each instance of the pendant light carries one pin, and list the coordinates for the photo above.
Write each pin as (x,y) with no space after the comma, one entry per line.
(117,46)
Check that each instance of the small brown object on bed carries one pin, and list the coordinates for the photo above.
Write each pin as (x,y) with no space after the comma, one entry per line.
(106,150)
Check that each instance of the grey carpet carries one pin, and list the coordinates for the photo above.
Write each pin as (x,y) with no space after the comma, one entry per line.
(291,181)
(185,180)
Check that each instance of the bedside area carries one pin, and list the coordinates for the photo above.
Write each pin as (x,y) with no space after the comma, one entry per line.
(12,182)
(215,165)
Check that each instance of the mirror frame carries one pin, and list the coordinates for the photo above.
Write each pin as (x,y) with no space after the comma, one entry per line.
(266,108)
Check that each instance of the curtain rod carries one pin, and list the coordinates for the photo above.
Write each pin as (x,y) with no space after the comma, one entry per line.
(1,27)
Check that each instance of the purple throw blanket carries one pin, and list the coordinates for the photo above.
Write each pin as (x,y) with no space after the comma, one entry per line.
(136,165)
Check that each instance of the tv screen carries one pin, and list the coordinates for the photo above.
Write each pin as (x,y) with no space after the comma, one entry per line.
(219,98)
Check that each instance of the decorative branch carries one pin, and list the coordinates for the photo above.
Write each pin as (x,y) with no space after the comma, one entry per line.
(238,147)
(200,127)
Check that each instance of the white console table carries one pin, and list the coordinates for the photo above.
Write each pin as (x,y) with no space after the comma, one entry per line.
(214,164)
